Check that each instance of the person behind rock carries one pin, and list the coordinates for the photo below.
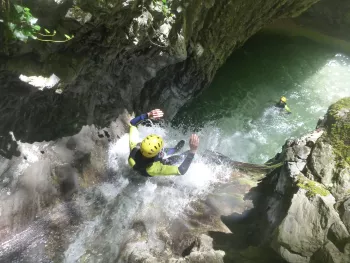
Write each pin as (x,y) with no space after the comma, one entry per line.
(282,104)
(147,157)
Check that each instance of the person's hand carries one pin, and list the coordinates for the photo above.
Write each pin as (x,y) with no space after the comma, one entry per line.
(155,114)
(194,142)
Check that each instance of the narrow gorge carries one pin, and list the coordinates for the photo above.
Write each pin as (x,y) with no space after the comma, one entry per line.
(214,67)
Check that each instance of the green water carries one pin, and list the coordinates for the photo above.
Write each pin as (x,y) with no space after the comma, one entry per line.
(235,115)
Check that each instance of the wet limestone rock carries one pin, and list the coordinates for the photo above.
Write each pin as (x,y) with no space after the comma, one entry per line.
(323,154)
(315,227)
(302,210)
(333,149)
(46,176)
(306,226)
(345,213)
(20,204)
(78,15)
(338,128)
(203,252)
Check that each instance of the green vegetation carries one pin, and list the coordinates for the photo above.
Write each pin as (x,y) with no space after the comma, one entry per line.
(311,187)
(164,6)
(338,121)
(22,25)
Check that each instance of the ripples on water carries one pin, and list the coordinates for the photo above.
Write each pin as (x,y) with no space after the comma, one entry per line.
(236,114)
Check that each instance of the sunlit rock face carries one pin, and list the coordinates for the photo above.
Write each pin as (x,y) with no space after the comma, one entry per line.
(44,196)
(304,214)
(125,55)
(40,82)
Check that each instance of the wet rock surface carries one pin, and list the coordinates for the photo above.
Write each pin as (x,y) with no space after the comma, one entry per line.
(304,209)
(63,206)
(42,189)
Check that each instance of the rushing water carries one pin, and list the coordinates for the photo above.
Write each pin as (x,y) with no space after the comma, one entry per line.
(233,116)
(153,203)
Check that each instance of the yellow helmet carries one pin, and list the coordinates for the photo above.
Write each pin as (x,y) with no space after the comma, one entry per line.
(151,145)
(283,99)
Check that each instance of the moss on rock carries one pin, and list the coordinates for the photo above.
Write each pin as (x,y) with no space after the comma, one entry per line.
(311,187)
(338,128)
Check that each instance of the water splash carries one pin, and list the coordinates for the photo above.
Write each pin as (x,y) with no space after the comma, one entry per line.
(239,122)
(151,202)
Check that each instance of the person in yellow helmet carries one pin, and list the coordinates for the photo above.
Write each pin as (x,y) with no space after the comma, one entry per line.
(147,157)
(282,104)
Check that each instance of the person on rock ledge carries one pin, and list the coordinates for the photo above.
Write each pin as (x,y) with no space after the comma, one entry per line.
(282,104)
(149,156)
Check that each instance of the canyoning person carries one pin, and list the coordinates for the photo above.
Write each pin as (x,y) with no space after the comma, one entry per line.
(282,104)
(149,156)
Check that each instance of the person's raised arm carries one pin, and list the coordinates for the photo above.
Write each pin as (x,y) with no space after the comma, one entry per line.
(134,133)
(194,142)
(159,169)
(153,114)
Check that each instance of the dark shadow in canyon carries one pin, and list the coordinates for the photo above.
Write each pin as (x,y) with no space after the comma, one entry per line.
(252,230)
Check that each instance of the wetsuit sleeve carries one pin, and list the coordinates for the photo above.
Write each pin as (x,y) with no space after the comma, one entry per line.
(137,120)
(133,132)
(133,137)
(186,163)
(159,169)
(287,109)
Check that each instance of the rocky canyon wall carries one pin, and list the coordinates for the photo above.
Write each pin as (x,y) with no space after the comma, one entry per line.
(132,55)
(329,17)
(304,210)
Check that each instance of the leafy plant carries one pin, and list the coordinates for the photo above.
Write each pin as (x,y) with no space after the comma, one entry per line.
(25,27)
(164,5)
(22,25)
(165,8)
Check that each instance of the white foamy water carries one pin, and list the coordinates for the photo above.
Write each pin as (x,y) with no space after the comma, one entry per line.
(152,201)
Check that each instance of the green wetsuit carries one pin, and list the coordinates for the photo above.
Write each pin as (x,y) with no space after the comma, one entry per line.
(155,166)
(283,105)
